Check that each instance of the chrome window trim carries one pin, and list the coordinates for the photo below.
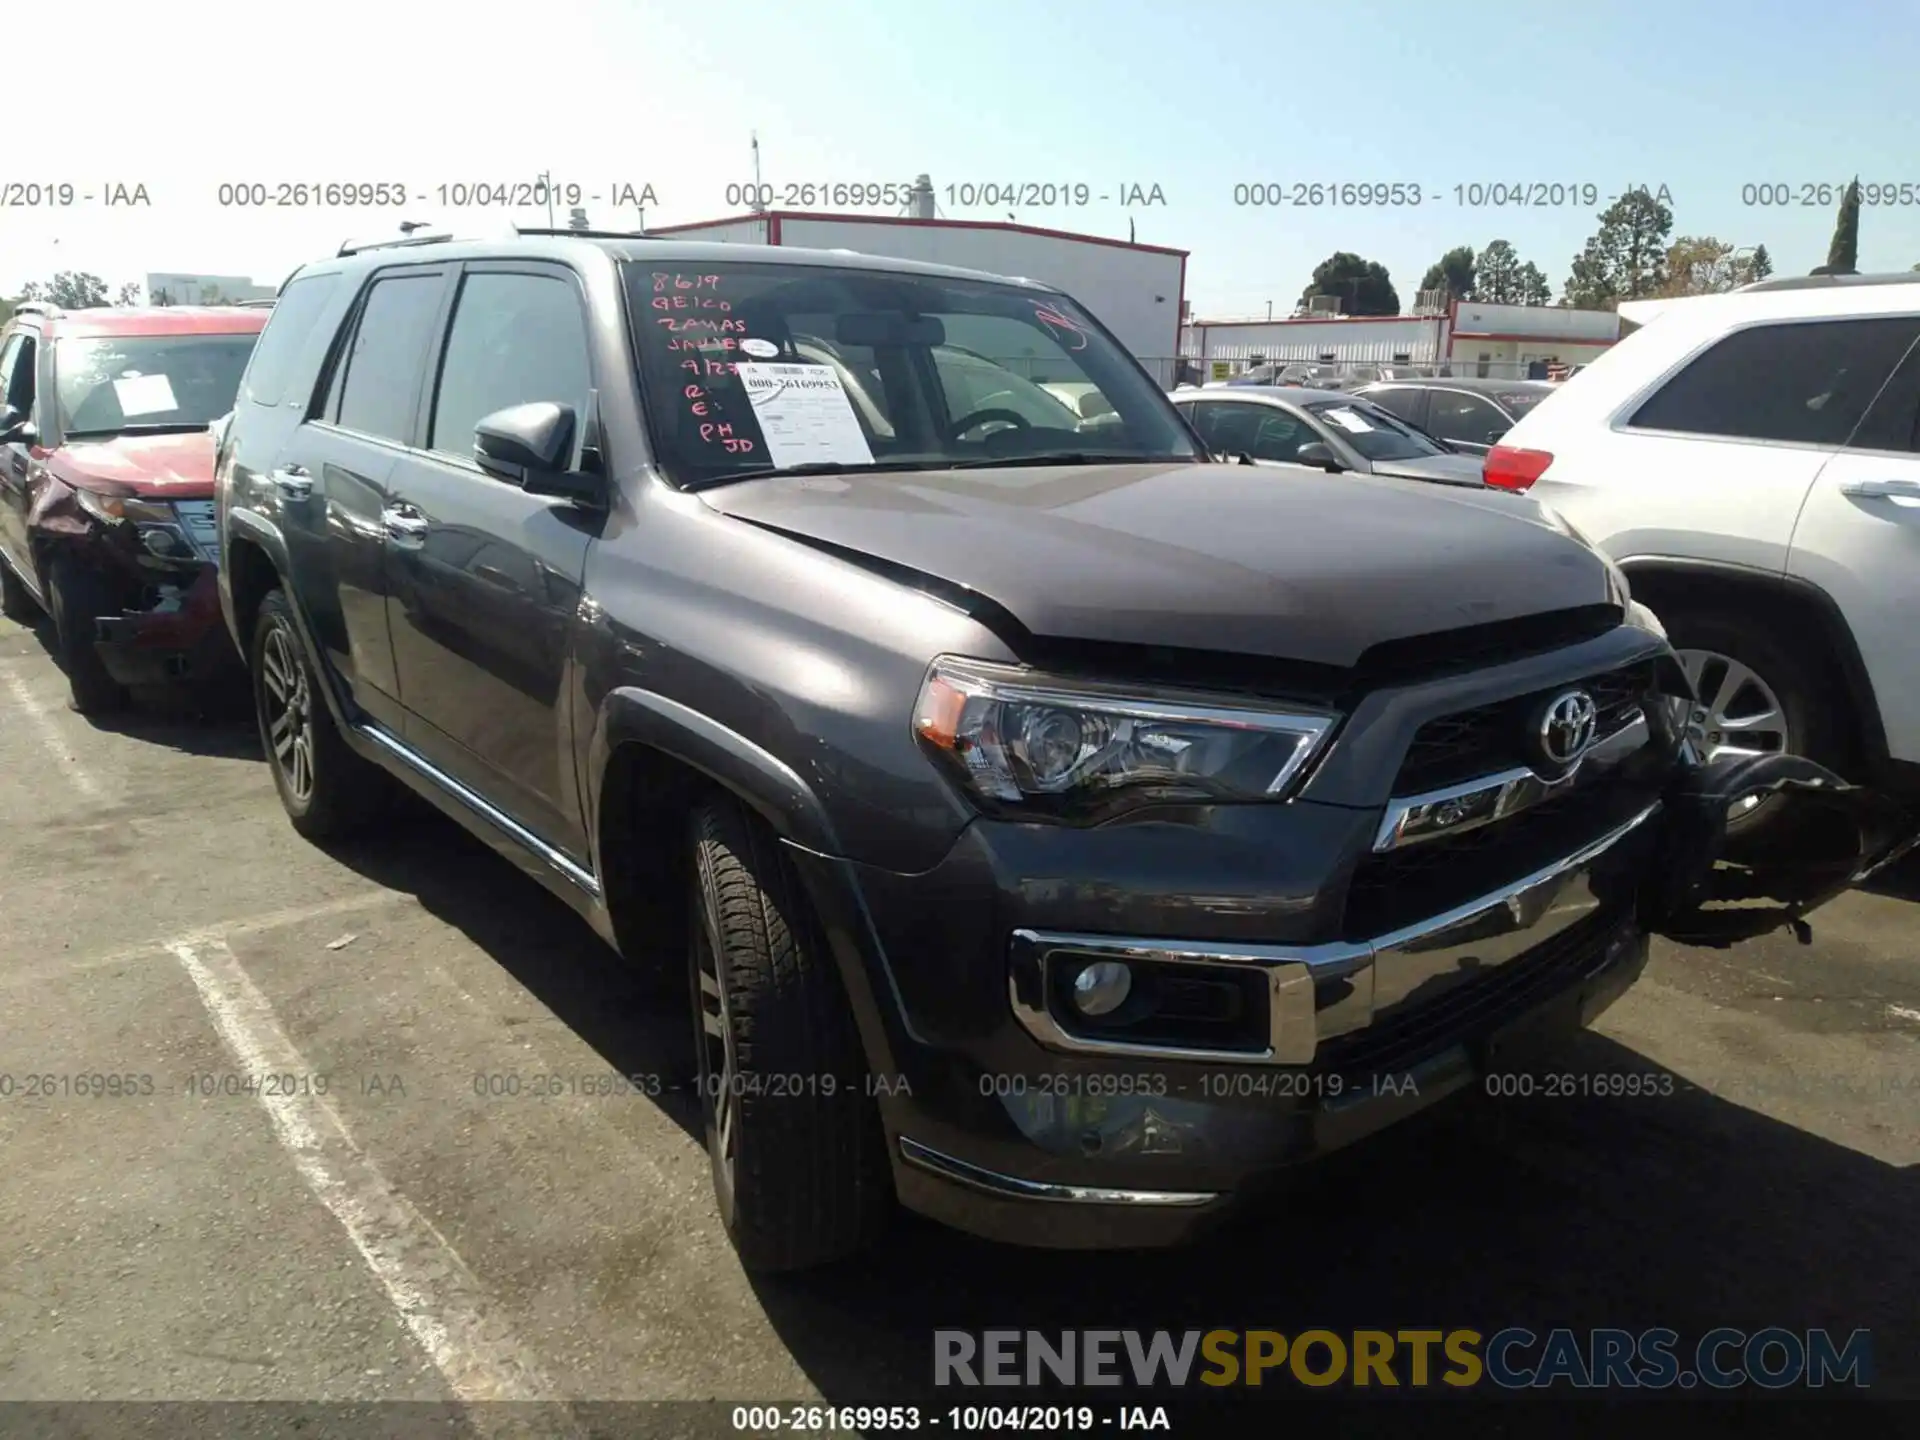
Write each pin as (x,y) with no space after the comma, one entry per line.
(1294,970)
(1519,789)
(1011,1187)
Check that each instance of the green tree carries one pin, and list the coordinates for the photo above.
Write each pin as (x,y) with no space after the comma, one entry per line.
(1759,265)
(1452,273)
(70,290)
(1501,278)
(1843,253)
(1364,287)
(130,294)
(1703,265)
(1626,258)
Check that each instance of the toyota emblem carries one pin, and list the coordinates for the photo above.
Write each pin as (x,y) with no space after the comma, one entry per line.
(1566,728)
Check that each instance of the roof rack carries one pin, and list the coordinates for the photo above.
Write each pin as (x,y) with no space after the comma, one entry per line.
(266,304)
(583,234)
(37,307)
(1821,282)
(354,247)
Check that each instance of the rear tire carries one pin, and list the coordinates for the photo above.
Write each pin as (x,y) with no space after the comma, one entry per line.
(327,790)
(1814,716)
(78,599)
(16,601)
(794,1136)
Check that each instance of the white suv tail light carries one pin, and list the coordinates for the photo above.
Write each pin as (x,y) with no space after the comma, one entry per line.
(1510,468)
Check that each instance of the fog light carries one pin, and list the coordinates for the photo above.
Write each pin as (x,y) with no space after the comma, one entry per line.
(1102,987)
(163,543)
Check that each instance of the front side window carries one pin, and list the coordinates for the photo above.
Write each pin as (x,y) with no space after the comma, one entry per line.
(516,339)
(1373,432)
(113,385)
(297,310)
(1808,383)
(382,370)
(749,367)
(16,374)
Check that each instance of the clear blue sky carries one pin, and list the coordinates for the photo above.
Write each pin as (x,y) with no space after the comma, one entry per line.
(1702,96)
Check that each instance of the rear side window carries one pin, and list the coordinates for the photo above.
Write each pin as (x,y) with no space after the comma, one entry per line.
(1894,421)
(295,313)
(516,339)
(1807,383)
(389,347)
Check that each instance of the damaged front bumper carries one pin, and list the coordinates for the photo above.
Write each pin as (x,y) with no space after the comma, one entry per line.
(180,639)
(1838,835)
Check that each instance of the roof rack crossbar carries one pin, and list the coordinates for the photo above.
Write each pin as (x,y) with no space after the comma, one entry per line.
(583,234)
(354,247)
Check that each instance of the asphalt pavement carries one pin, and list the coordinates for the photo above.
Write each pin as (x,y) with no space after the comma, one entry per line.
(448,1191)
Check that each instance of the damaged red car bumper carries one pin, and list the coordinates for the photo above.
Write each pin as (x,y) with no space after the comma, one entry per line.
(182,639)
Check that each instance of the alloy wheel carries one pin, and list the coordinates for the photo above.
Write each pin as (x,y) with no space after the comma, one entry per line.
(1738,713)
(286,703)
(719,1084)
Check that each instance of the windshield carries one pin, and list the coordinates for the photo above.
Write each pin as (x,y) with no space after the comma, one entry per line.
(750,367)
(110,384)
(1373,432)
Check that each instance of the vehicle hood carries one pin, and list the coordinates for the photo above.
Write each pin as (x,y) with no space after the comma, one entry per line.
(1447,469)
(1284,562)
(152,467)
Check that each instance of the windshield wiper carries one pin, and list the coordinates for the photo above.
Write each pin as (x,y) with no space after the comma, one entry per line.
(109,432)
(812,467)
(1069,457)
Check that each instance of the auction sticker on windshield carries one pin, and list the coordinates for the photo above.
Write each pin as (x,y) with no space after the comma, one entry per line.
(1347,420)
(144,395)
(806,415)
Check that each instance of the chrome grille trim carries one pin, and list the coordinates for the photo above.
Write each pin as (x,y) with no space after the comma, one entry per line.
(1514,790)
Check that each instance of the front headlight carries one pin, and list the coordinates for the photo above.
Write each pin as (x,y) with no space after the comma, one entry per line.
(113,509)
(1076,750)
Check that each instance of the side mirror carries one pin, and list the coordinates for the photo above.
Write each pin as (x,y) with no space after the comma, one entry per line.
(1494,435)
(528,446)
(1318,452)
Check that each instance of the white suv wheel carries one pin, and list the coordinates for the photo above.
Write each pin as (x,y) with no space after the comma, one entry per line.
(1738,713)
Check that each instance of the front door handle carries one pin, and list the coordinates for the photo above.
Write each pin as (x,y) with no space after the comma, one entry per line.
(293,482)
(404,523)
(1882,489)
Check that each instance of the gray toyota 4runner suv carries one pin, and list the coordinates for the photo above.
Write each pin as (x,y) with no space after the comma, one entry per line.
(1055,831)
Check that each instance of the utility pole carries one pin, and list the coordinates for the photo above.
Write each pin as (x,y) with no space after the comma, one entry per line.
(545,178)
(758,206)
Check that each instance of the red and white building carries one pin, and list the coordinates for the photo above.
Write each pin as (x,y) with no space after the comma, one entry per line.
(1468,337)
(1136,291)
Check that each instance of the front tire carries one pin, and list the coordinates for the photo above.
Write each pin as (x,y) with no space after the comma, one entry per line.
(327,791)
(794,1136)
(1757,694)
(78,600)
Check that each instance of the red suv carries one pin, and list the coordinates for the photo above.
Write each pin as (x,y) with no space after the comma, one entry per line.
(106,486)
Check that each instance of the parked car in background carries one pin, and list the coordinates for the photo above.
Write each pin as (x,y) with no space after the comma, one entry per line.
(1335,431)
(1469,414)
(1289,373)
(1752,460)
(1353,376)
(106,487)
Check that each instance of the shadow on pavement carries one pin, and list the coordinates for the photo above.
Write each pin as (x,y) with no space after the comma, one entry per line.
(638,1025)
(1683,1211)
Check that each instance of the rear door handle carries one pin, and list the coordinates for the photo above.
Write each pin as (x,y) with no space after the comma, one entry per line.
(292,481)
(404,523)
(1882,489)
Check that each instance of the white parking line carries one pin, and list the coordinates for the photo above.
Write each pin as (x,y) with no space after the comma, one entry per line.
(64,759)
(436,1295)
(222,931)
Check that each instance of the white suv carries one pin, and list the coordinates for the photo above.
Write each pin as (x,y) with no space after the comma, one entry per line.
(1752,461)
